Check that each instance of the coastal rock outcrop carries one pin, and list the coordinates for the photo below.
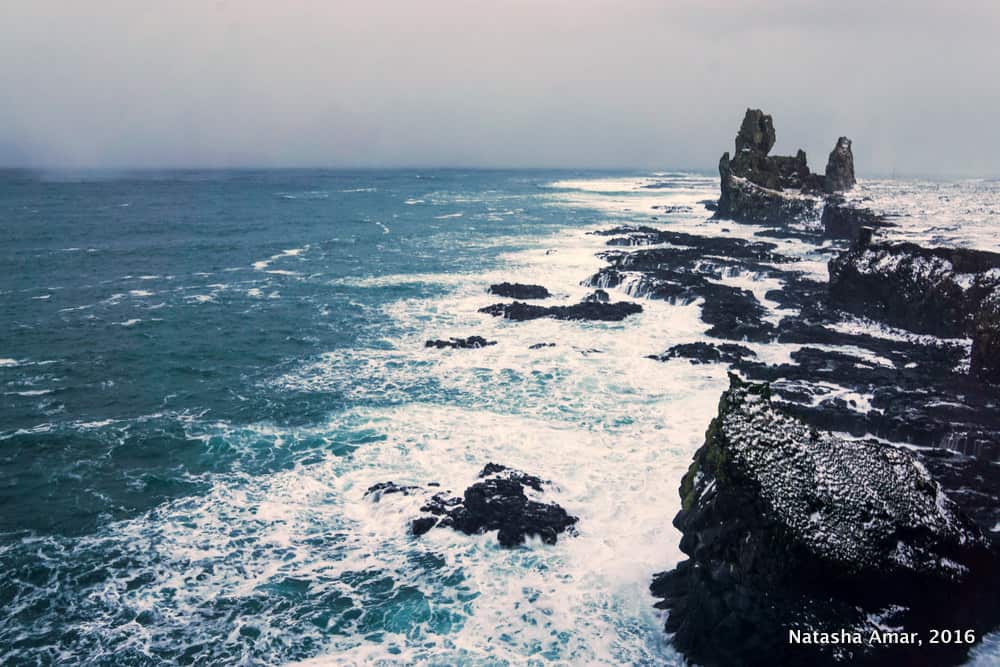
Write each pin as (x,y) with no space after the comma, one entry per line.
(950,292)
(519,291)
(776,189)
(499,502)
(585,310)
(789,530)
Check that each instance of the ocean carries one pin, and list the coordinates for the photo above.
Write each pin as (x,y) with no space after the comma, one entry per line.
(201,372)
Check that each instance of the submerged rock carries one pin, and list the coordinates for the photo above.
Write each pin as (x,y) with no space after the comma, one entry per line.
(498,502)
(377,491)
(587,310)
(519,291)
(789,529)
(470,343)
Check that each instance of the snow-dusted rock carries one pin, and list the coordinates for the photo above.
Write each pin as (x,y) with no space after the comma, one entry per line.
(790,528)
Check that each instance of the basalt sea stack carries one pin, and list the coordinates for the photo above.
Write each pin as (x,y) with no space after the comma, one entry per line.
(757,187)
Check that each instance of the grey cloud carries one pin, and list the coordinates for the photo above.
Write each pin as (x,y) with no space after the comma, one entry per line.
(550,83)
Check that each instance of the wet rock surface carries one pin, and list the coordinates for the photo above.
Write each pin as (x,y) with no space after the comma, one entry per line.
(841,220)
(705,353)
(950,292)
(790,528)
(519,291)
(500,502)
(470,343)
(586,310)
(903,386)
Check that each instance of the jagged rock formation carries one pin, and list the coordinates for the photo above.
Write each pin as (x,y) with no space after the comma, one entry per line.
(470,343)
(790,529)
(519,291)
(586,310)
(498,502)
(761,188)
(951,292)
(840,168)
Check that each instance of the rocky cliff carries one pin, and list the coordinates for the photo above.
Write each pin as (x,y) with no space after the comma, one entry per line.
(789,529)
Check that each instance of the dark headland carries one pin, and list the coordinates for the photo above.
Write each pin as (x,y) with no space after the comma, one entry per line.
(798,541)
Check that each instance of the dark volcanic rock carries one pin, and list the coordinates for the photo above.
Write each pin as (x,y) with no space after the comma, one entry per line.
(937,291)
(756,133)
(790,529)
(706,353)
(775,190)
(985,362)
(840,167)
(754,185)
(597,296)
(519,291)
(470,343)
(498,503)
(599,311)
(844,221)
(377,491)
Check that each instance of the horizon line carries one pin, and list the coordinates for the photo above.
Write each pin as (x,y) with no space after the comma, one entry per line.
(404,167)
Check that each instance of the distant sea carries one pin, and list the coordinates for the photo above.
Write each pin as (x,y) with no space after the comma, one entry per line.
(201,372)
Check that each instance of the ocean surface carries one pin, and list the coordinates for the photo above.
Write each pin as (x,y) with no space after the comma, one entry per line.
(202,372)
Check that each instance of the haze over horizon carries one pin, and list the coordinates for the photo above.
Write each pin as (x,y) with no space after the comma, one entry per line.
(584,84)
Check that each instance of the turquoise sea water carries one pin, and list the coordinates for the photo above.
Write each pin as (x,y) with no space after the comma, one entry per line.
(202,372)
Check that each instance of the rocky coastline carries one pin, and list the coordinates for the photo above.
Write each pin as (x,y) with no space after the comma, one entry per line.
(850,489)
(790,528)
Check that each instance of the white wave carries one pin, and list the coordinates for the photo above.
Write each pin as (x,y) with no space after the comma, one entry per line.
(8,363)
(130,323)
(448,216)
(963,213)
(291,252)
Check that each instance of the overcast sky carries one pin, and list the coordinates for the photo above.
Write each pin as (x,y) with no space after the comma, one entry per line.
(581,83)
